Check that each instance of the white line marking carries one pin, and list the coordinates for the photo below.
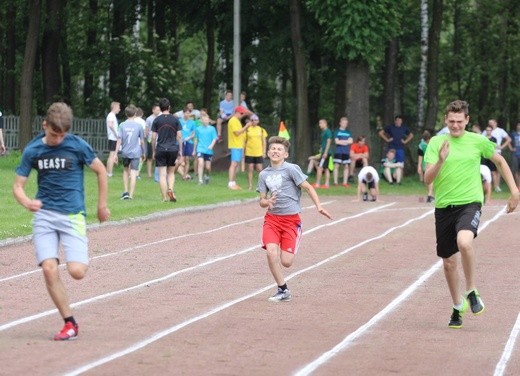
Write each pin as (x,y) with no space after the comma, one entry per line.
(171,275)
(510,345)
(164,333)
(348,340)
(156,242)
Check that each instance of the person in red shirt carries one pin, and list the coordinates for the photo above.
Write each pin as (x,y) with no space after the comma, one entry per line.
(359,152)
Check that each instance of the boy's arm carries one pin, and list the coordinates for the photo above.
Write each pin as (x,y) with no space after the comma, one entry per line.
(506,173)
(314,197)
(432,170)
(358,193)
(98,167)
(22,198)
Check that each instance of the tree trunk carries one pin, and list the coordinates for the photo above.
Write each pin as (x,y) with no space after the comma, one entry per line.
(209,72)
(357,99)
(340,100)
(433,66)
(88,88)
(51,71)
(389,88)
(424,63)
(301,139)
(26,81)
(10,61)
(117,70)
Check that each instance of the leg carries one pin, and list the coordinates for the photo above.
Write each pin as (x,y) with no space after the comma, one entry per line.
(250,167)
(163,185)
(319,172)
(465,244)
(398,175)
(345,173)
(110,163)
(126,174)
(335,173)
(200,170)
(451,274)
(133,177)
(55,287)
(388,175)
(273,260)
(219,128)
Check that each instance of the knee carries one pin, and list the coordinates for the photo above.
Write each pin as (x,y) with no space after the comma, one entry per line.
(286,263)
(77,270)
(449,264)
(50,269)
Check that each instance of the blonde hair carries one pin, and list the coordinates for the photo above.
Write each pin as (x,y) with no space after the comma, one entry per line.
(59,117)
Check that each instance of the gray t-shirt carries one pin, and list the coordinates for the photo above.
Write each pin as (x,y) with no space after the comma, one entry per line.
(285,182)
(130,133)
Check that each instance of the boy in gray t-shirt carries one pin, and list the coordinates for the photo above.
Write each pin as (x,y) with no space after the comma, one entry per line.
(130,139)
(280,187)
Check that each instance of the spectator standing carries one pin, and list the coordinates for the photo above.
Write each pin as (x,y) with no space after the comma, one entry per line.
(342,140)
(111,121)
(205,139)
(502,140)
(256,144)
(130,140)
(325,161)
(148,134)
(188,134)
(59,207)
(236,138)
(166,138)
(397,136)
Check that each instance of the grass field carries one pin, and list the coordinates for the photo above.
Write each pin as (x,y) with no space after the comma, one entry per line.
(16,221)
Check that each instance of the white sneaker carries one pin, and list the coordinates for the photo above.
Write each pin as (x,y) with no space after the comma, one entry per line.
(281,296)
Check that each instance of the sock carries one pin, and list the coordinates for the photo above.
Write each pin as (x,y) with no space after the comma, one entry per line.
(283,287)
(70,319)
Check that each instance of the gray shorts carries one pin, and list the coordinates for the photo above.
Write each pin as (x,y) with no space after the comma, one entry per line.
(50,228)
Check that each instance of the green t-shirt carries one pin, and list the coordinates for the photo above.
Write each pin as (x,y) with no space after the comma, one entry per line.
(458,181)
(326,135)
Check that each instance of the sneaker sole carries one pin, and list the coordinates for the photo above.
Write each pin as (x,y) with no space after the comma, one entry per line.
(479,312)
(455,326)
(279,300)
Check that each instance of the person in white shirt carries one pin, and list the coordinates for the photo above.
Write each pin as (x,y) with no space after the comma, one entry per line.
(503,140)
(111,120)
(368,180)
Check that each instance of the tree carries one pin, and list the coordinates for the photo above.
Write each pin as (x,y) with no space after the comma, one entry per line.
(433,65)
(26,81)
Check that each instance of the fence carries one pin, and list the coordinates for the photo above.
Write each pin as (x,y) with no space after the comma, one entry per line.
(93,131)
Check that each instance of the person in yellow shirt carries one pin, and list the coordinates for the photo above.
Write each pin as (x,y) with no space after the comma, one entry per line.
(236,137)
(256,137)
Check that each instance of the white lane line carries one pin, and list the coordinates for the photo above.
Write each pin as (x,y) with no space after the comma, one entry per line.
(157,336)
(348,340)
(171,275)
(144,245)
(510,345)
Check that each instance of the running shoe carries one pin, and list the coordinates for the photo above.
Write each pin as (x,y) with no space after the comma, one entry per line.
(69,332)
(206,179)
(171,195)
(281,296)
(346,185)
(430,199)
(315,185)
(125,196)
(475,302)
(365,196)
(456,316)
(234,187)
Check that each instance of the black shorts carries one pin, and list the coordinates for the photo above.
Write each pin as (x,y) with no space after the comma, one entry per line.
(112,145)
(370,185)
(449,221)
(341,158)
(254,160)
(149,151)
(166,158)
(359,163)
(489,163)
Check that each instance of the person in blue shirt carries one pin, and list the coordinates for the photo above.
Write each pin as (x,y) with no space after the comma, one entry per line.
(59,206)
(188,134)
(205,139)
(397,136)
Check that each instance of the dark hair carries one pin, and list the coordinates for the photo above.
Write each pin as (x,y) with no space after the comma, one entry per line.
(164,104)
(280,140)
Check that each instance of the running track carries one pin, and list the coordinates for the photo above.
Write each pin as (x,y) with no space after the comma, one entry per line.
(186,294)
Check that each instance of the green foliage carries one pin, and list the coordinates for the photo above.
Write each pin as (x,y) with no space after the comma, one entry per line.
(358,30)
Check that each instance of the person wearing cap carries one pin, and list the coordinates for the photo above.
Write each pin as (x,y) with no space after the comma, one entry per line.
(368,180)
(256,143)
(236,138)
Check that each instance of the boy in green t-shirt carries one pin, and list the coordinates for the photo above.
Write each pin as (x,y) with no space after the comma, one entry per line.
(453,166)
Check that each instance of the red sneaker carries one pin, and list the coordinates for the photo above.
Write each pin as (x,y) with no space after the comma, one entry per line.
(346,185)
(69,332)
(315,185)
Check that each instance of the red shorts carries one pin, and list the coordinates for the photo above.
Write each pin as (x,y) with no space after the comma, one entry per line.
(284,230)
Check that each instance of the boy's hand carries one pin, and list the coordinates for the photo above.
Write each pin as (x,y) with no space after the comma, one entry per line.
(103,214)
(324,212)
(34,205)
